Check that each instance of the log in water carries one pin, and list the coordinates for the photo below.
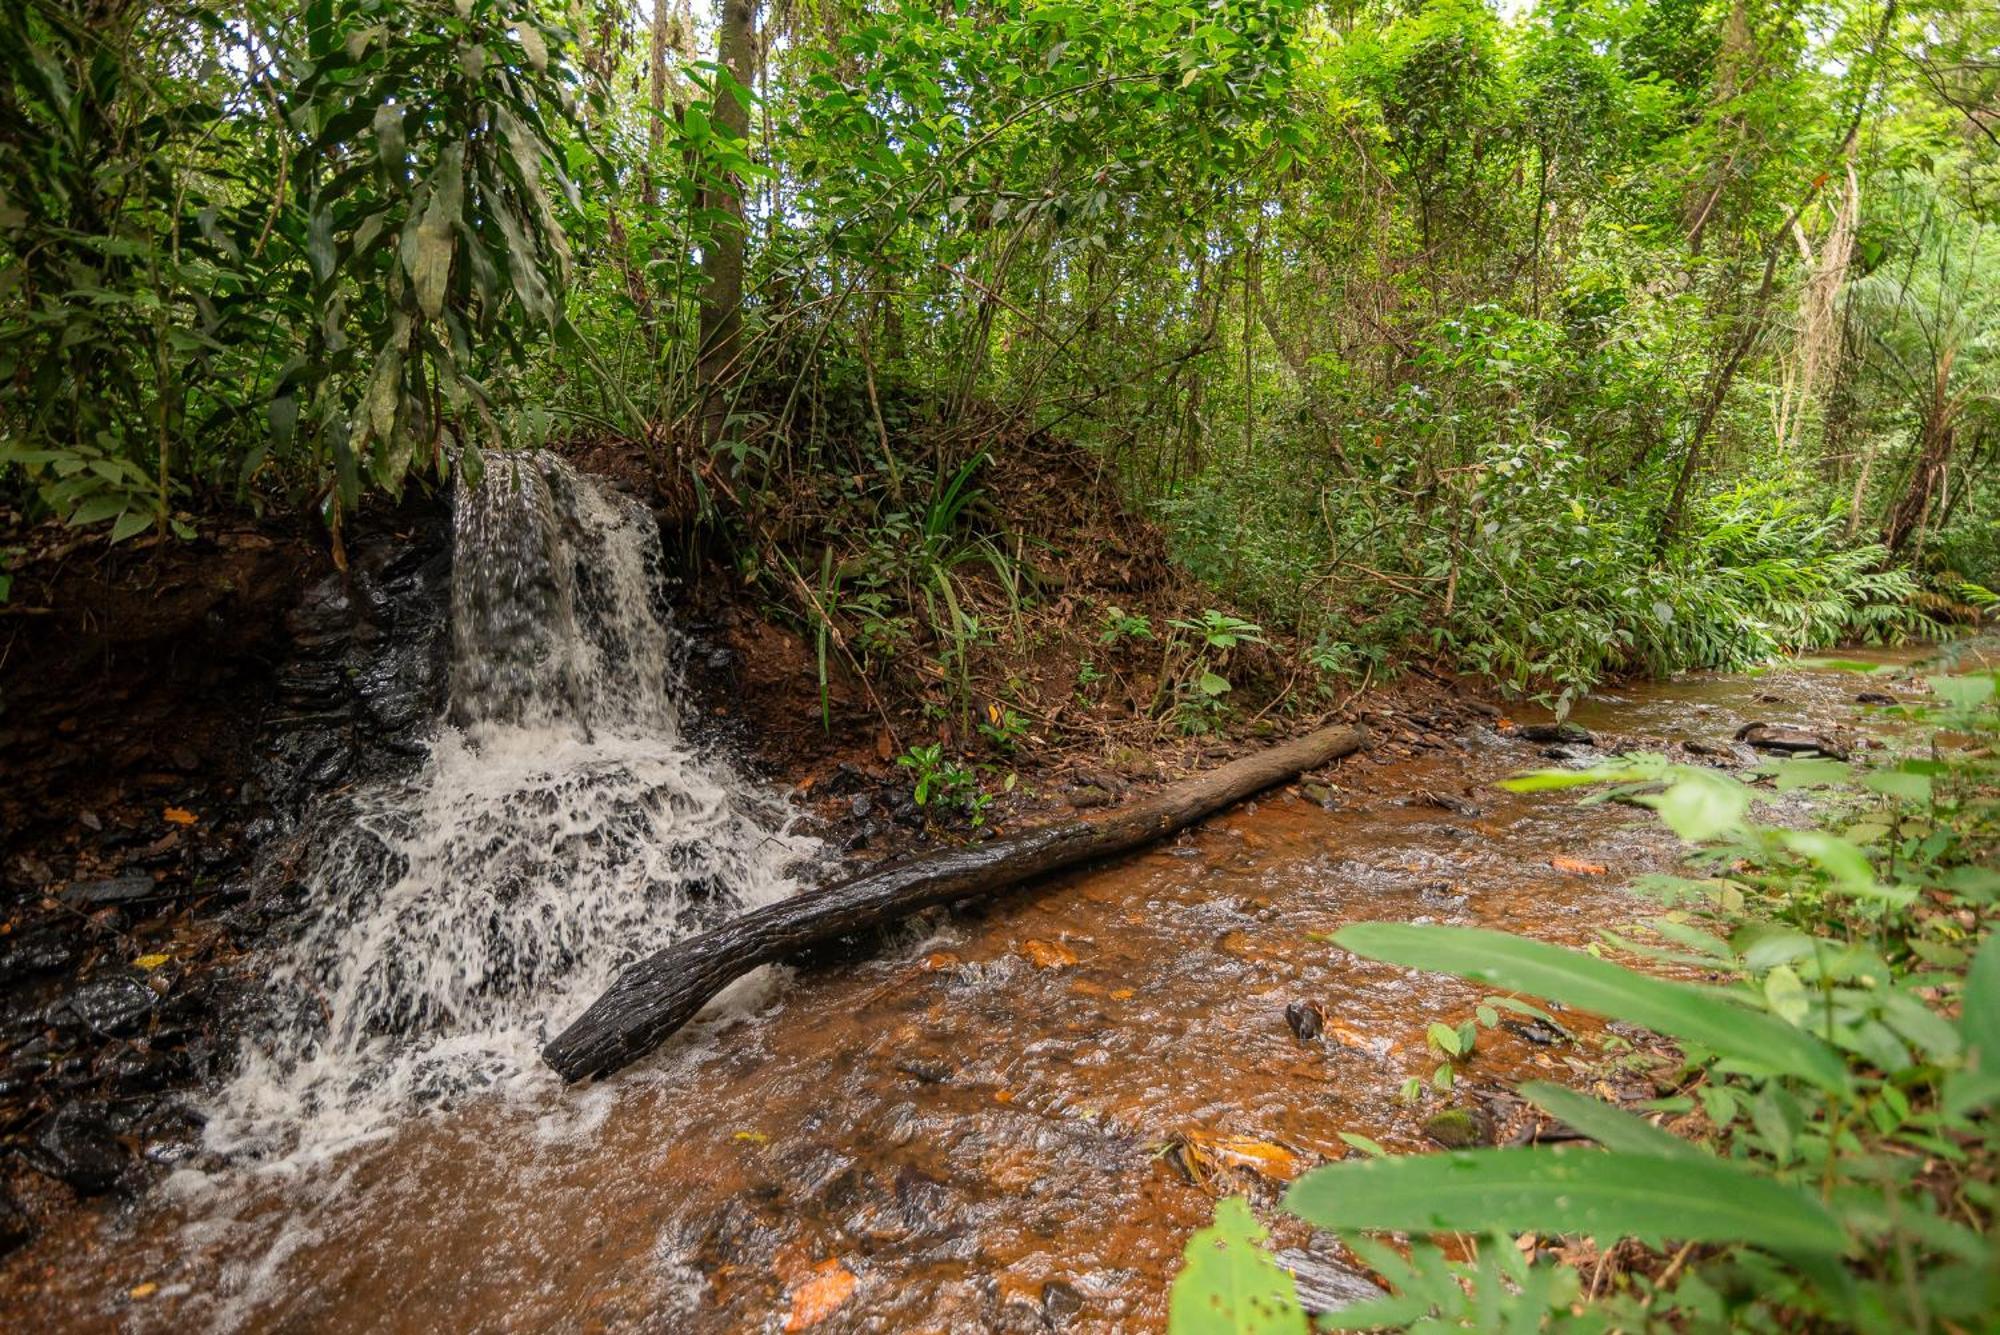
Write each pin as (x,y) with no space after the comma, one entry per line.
(659,994)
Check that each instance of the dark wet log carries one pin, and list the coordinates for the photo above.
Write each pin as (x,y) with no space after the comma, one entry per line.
(659,994)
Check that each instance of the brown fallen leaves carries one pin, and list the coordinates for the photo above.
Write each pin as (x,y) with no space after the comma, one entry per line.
(1047,954)
(819,1295)
(1578,867)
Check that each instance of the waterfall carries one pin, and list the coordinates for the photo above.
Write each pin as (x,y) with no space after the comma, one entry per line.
(559,828)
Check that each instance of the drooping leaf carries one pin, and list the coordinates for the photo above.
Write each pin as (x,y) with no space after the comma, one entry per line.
(1604,1195)
(1577,979)
(1612,1127)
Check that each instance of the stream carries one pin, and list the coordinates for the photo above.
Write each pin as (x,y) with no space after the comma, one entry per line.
(1011,1121)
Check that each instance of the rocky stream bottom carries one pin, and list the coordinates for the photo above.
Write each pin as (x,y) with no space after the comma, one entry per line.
(1011,1121)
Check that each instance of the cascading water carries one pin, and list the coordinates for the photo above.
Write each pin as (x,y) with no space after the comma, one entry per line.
(559,828)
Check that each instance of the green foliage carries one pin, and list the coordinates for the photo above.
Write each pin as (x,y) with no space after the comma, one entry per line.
(1847,1181)
(939,781)
(276,255)
(1231,1286)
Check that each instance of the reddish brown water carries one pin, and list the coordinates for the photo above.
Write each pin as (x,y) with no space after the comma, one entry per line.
(971,1127)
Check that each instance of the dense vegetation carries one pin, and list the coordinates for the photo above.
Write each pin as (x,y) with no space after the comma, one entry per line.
(1834,1162)
(1592,336)
(1542,340)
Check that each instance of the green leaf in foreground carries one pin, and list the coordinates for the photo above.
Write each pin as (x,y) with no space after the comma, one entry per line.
(1613,1128)
(1231,1285)
(1577,979)
(1605,1195)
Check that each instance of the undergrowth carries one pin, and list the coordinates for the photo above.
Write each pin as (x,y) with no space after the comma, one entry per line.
(1841,1083)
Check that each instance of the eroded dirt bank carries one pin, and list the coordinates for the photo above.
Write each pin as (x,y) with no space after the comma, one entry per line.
(1012,1120)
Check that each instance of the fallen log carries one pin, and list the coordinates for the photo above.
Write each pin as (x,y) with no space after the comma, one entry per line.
(656,996)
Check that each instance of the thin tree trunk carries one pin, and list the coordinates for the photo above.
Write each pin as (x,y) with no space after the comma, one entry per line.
(722,255)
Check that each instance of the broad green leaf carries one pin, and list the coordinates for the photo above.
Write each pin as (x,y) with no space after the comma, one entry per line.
(1699,805)
(1811,773)
(1964,692)
(1545,780)
(129,523)
(1786,995)
(1612,1127)
(1845,863)
(1979,1008)
(1901,785)
(1577,979)
(1214,683)
(1230,1284)
(1605,1195)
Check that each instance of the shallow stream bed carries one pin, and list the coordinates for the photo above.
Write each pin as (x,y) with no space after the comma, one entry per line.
(1011,1124)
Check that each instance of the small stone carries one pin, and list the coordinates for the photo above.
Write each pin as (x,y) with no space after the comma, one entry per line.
(110,1005)
(117,890)
(1089,795)
(1556,732)
(1456,1128)
(861,806)
(1321,794)
(1307,1019)
(1325,1284)
(1874,698)
(78,1148)
(1060,1303)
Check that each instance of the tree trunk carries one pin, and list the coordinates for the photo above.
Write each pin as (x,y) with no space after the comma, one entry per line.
(659,994)
(722,254)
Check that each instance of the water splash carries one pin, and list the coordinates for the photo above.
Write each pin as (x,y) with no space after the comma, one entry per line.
(559,828)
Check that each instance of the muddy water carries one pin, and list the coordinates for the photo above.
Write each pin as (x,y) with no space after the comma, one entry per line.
(973,1131)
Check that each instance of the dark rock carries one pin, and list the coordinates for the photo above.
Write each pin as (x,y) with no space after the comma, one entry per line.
(1307,1019)
(40,949)
(861,806)
(1573,733)
(110,1004)
(1457,1128)
(1320,793)
(117,890)
(930,1073)
(1874,698)
(1788,739)
(1086,795)
(78,1148)
(1561,753)
(1060,1304)
(1326,1284)
(1539,1032)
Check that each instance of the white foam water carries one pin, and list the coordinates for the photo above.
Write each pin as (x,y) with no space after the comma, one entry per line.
(559,828)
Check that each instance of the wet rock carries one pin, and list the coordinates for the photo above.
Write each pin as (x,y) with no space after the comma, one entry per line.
(1086,795)
(1326,1284)
(118,890)
(1874,698)
(1457,1128)
(79,1149)
(862,806)
(1788,739)
(1307,1020)
(1061,1304)
(1562,753)
(1572,733)
(1725,752)
(1539,1032)
(929,1073)
(1320,793)
(1456,805)
(41,949)
(111,1005)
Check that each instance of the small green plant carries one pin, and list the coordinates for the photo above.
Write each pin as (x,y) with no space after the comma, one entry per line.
(1002,726)
(1087,676)
(942,782)
(1121,626)
(1192,678)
